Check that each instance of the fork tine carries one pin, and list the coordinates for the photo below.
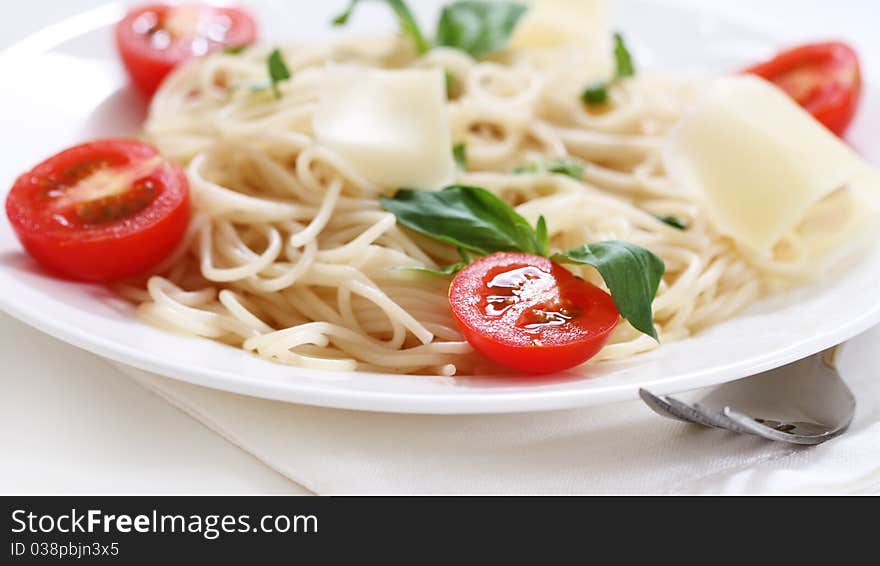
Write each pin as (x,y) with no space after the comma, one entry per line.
(697,413)
(660,406)
(751,426)
(672,408)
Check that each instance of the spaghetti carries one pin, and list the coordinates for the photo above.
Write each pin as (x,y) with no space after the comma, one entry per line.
(291,257)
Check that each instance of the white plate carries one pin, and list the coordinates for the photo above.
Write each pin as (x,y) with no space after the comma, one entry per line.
(63,86)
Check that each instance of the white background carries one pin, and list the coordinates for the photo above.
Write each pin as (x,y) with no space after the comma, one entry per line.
(70,423)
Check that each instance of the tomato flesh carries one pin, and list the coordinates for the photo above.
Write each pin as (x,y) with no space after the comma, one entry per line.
(153,40)
(101,211)
(824,78)
(531,314)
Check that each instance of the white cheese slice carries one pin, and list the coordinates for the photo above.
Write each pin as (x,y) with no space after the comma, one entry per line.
(759,159)
(390,126)
(558,23)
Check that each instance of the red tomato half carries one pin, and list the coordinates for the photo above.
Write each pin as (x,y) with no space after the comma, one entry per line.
(531,314)
(824,78)
(101,211)
(154,39)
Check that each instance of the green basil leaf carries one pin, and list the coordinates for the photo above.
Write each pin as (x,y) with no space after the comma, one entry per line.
(543,236)
(631,273)
(596,94)
(235,49)
(478,28)
(278,71)
(459,153)
(468,217)
(409,26)
(673,221)
(623,58)
(559,166)
(451,85)
(342,19)
(443,271)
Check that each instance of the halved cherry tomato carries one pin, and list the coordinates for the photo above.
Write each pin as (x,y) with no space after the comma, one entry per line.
(101,211)
(154,39)
(530,314)
(824,78)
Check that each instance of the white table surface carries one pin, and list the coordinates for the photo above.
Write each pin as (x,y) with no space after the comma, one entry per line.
(69,423)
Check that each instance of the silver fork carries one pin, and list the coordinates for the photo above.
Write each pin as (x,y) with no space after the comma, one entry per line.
(802,403)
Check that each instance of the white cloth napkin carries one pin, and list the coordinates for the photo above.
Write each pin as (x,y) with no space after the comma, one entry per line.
(621,448)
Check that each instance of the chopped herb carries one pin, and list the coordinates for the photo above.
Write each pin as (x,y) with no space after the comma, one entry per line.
(559,166)
(623,58)
(451,84)
(478,28)
(405,18)
(459,153)
(543,236)
(597,93)
(278,71)
(673,221)
(342,19)
(444,271)
(235,49)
